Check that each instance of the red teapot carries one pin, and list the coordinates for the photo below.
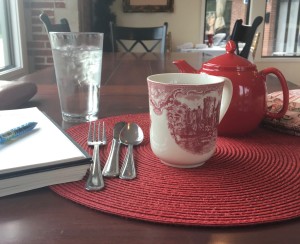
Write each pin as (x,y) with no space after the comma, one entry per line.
(248,105)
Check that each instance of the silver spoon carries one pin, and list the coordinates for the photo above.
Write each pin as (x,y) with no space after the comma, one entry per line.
(131,135)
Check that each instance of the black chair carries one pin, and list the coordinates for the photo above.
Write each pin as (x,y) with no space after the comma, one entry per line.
(245,34)
(119,34)
(62,27)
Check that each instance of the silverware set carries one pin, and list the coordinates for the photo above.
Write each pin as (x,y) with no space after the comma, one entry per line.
(129,134)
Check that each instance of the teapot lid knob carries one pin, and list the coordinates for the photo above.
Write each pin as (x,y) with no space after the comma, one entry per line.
(230,46)
(228,62)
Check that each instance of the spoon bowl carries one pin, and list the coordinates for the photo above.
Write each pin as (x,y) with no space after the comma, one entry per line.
(131,134)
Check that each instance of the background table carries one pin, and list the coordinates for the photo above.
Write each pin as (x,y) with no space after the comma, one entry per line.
(41,216)
(213,51)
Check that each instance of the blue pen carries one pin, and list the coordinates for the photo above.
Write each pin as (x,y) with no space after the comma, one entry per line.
(16,132)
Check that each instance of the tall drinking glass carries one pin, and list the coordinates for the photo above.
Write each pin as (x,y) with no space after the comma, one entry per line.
(78,63)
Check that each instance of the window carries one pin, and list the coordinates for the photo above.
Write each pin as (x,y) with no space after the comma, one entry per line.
(13,53)
(281,31)
(6,57)
(220,15)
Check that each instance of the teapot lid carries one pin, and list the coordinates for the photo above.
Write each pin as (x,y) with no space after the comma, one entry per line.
(229,61)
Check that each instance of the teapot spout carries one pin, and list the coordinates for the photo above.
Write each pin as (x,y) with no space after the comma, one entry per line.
(184,67)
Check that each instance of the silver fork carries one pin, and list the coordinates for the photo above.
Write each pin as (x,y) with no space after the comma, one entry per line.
(96,138)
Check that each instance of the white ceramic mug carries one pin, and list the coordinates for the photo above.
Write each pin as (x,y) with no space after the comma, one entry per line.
(185,110)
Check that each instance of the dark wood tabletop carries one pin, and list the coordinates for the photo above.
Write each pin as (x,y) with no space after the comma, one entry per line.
(42,216)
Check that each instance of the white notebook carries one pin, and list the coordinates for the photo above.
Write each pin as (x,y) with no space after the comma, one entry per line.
(39,156)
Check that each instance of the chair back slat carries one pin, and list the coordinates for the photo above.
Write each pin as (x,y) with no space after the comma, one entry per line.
(254,44)
(62,27)
(119,34)
(245,34)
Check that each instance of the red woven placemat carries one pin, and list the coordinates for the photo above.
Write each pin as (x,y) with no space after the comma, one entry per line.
(249,180)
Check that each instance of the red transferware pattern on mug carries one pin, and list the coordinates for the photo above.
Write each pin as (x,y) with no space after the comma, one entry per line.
(189,119)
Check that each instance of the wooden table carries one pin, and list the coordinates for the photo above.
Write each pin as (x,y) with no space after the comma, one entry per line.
(41,216)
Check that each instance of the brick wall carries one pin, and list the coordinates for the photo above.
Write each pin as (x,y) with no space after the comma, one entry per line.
(39,51)
(238,11)
(269,29)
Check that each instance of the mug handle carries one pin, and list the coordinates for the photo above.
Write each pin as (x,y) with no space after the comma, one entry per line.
(226,97)
(285,92)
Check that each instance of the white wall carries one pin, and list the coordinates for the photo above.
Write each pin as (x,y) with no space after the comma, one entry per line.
(184,23)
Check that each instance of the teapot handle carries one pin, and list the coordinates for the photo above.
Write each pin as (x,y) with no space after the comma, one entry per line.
(285,92)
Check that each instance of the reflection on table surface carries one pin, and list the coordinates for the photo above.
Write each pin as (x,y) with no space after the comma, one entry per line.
(41,216)
(213,51)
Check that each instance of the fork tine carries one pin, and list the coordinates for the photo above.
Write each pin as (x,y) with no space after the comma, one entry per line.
(103,133)
(99,132)
(90,132)
(96,133)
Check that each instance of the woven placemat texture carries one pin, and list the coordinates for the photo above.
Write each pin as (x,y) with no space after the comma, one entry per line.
(249,180)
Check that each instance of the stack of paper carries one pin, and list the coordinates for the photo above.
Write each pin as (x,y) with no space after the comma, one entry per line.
(44,156)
